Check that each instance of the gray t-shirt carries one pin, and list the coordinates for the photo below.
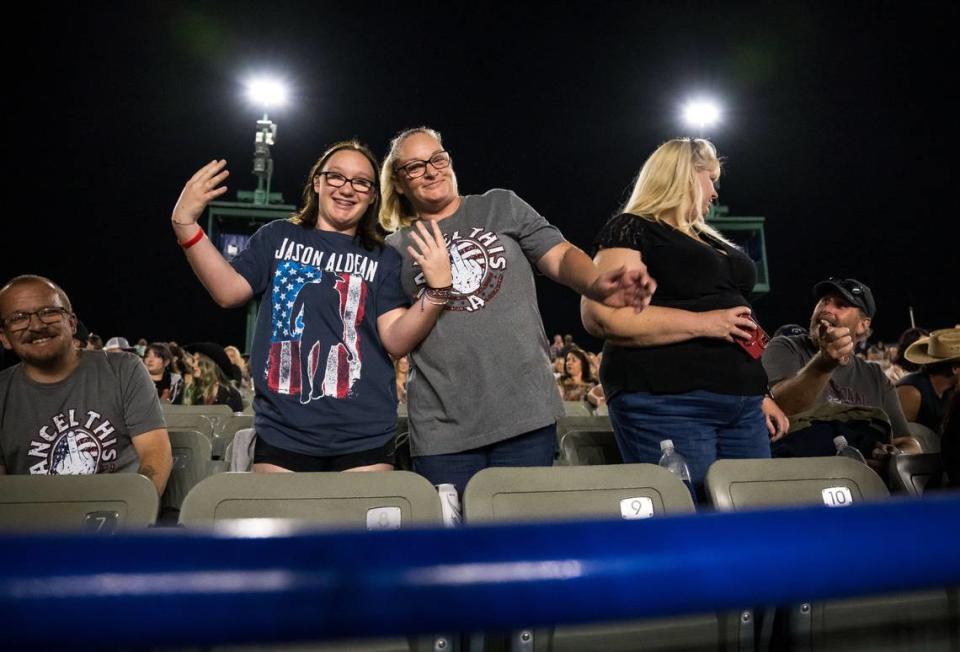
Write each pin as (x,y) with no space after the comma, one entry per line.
(483,374)
(859,383)
(82,424)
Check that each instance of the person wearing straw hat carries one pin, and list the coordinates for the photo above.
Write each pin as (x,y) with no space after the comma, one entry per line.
(924,394)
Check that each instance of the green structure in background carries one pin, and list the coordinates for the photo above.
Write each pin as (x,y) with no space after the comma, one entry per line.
(747,233)
(230,224)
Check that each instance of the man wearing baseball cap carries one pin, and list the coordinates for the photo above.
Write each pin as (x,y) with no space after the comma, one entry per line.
(809,370)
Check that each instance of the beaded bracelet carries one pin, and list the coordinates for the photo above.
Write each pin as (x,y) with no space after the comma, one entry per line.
(436,296)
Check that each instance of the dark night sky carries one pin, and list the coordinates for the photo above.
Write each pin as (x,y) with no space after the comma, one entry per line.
(836,130)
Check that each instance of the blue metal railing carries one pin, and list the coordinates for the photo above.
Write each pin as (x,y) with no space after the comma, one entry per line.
(179,587)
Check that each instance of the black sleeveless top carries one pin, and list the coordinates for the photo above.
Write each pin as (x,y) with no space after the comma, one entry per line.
(694,276)
(931,405)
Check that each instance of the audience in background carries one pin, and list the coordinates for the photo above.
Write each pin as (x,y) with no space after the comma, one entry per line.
(556,348)
(157,361)
(402,366)
(925,393)
(209,383)
(577,378)
(900,366)
(118,344)
(241,374)
(80,336)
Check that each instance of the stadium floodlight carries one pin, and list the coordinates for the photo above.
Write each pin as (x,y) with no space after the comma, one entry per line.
(267,93)
(701,113)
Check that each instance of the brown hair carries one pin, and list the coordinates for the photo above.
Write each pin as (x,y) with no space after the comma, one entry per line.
(369,233)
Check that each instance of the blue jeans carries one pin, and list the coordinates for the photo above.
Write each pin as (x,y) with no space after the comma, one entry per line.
(534,448)
(704,427)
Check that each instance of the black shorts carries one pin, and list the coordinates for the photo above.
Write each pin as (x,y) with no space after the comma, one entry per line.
(264,453)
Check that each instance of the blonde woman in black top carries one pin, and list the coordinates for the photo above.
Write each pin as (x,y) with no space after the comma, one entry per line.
(675,371)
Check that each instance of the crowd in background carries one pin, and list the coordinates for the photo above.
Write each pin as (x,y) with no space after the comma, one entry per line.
(207,373)
(204,373)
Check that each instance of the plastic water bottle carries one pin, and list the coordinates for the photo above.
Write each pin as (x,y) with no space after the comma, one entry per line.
(673,461)
(449,505)
(846,450)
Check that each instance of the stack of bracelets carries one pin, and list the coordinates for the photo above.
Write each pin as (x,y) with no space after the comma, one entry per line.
(436,296)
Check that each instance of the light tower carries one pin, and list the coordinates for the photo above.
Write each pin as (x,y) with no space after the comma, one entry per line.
(266,94)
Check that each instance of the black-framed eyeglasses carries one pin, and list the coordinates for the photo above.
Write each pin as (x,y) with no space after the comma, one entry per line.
(418,167)
(19,321)
(337,180)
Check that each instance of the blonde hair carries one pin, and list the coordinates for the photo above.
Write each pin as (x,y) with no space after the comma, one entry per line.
(668,184)
(203,389)
(396,211)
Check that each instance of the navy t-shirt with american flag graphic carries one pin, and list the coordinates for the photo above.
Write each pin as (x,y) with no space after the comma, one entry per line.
(324,383)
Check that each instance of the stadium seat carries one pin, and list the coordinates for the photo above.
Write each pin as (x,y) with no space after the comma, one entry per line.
(230,425)
(363,500)
(622,491)
(903,621)
(102,503)
(576,409)
(914,474)
(245,437)
(589,447)
(929,440)
(567,424)
(191,464)
(209,410)
(369,501)
(742,484)
(199,422)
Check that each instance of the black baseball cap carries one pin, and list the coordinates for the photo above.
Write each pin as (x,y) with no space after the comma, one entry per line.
(855,292)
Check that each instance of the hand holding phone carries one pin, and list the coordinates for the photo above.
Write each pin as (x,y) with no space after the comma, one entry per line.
(758,340)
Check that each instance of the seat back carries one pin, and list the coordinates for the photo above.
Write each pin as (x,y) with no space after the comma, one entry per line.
(209,410)
(372,501)
(576,409)
(102,503)
(628,491)
(228,428)
(566,492)
(903,621)
(242,461)
(929,440)
(385,500)
(197,422)
(191,464)
(567,424)
(742,484)
(589,447)
(914,474)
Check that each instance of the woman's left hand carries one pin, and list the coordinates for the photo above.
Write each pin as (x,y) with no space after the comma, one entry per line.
(431,254)
(777,422)
(623,287)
